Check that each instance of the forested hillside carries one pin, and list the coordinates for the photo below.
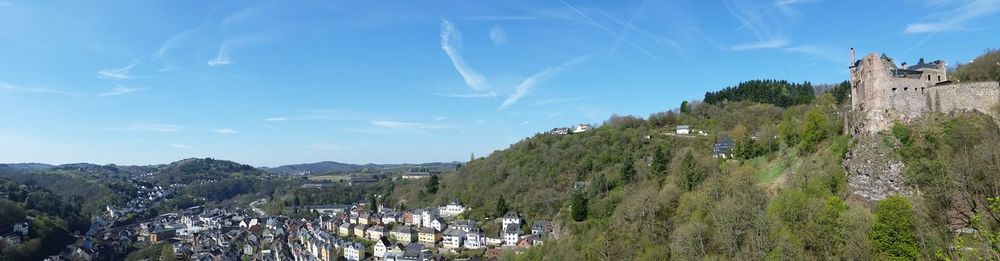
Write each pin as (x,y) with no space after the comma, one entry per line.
(631,189)
(51,221)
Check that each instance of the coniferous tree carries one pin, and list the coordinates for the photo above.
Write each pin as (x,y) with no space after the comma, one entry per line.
(691,176)
(628,171)
(579,206)
(432,184)
(661,162)
(501,207)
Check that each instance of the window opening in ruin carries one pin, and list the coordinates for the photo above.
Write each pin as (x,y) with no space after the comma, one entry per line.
(928,77)
(893,89)
(939,78)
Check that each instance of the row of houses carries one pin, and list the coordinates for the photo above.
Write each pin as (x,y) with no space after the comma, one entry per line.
(583,127)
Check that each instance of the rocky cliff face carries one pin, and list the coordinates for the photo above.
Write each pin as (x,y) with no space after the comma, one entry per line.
(874,171)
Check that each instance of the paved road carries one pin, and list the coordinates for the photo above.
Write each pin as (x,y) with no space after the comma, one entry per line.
(253,206)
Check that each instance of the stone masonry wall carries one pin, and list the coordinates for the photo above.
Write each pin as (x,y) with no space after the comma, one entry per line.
(879,99)
(978,96)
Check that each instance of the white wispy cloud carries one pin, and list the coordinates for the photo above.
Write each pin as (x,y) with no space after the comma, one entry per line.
(626,27)
(120,74)
(174,40)
(955,15)
(121,90)
(498,35)
(225,131)
(222,58)
(530,82)
(274,119)
(524,123)
(17,88)
(180,146)
(409,125)
(6,4)
(153,127)
(439,118)
(751,15)
(466,95)
(451,43)
(658,39)
(244,14)
(776,42)
(600,26)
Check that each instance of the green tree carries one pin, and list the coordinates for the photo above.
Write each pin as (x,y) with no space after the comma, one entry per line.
(830,236)
(628,171)
(579,206)
(661,161)
(501,208)
(685,107)
(842,92)
(789,132)
(373,204)
(432,184)
(892,235)
(814,130)
(690,174)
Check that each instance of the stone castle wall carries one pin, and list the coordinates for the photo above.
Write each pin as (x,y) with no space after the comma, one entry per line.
(879,98)
(977,96)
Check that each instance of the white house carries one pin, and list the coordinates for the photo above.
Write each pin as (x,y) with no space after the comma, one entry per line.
(381,247)
(511,234)
(582,128)
(439,224)
(428,216)
(494,241)
(474,240)
(391,218)
(452,209)
(354,252)
(21,228)
(511,218)
(683,129)
(464,225)
(416,218)
(452,238)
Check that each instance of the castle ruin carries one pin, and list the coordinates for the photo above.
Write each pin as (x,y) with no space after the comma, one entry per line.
(883,93)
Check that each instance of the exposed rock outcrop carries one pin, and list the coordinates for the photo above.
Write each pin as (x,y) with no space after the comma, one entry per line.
(874,171)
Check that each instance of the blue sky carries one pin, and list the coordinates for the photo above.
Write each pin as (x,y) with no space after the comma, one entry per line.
(279,82)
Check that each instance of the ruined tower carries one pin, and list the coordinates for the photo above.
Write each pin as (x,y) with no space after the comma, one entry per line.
(883,93)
